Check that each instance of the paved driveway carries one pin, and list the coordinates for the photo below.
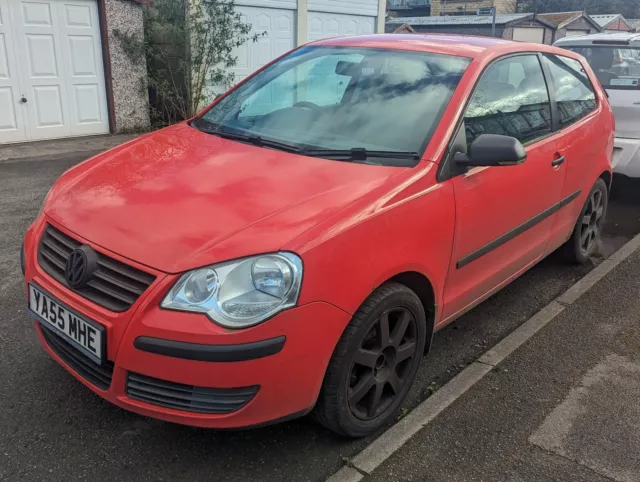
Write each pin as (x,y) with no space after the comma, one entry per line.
(52,428)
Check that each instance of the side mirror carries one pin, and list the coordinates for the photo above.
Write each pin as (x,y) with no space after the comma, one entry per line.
(492,150)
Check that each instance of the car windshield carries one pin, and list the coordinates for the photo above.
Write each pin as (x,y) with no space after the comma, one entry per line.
(333,101)
(617,67)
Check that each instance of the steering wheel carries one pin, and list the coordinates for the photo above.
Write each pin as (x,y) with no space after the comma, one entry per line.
(306,105)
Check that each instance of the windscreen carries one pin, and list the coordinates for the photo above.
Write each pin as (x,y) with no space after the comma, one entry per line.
(340,98)
(617,67)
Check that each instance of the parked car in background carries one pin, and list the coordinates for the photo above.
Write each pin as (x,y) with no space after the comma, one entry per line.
(615,58)
(294,247)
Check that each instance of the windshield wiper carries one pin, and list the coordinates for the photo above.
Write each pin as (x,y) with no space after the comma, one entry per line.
(252,139)
(359,154)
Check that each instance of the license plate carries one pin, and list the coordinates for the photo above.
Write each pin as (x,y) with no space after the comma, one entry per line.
(85,335)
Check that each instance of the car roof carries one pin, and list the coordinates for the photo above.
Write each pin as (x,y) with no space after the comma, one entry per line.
(450,44)
(632,38)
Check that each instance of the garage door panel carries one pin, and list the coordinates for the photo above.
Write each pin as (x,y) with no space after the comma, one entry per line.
(78,16)
(323,25)
(36,14)
(48,106)
(352,7)
(41,54)
(87,99)
(8,121)
(4,62)
(83,62)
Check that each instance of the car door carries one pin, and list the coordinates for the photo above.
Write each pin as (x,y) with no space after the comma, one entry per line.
(503,214)
(583,139)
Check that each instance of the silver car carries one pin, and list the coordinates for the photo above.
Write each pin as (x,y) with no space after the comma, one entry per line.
(615,58)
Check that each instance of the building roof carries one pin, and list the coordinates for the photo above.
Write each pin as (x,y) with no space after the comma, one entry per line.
(604,20)
(561,18)
(634,22)
(564,19)
(404,28)
(501,19)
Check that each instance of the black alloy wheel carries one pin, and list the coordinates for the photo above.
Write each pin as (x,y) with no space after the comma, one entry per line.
(381,364)
(374,363)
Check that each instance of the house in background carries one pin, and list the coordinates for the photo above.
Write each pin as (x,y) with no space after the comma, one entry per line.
(571,24)
(63,72)
(614,23)
(524,27)
(409,8)
(635,24)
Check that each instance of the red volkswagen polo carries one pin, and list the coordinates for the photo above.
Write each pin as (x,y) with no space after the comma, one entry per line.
(294,247)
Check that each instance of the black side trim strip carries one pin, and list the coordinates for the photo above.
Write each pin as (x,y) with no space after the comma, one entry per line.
(210,353)
(496,243)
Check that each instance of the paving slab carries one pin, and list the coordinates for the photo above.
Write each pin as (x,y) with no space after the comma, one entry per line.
(563,407)
(57,147)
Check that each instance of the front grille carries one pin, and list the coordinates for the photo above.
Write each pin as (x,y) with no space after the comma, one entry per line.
(187,397)
(98,375)
(114,285)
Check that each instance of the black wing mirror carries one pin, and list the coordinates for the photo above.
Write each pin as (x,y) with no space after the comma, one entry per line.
(492,150)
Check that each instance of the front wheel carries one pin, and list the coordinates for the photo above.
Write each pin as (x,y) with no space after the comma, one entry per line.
(374,363)
(586,234)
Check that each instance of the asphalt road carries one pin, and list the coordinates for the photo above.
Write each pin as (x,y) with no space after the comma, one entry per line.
(53,428)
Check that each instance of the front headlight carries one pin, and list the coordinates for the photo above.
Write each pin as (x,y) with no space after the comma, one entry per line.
(241,293)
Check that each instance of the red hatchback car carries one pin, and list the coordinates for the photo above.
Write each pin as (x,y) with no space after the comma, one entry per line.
(294,247)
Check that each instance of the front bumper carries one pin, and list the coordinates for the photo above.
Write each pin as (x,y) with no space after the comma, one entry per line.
(176,350)
(626,157)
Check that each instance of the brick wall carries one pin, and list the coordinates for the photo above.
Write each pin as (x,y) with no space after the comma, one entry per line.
(458,6)
(506,6)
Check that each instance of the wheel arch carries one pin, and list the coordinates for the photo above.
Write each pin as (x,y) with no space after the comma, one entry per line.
(607,178)
(423,288)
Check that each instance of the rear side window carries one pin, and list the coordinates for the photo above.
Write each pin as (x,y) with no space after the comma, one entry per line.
(617,68)
(574,93)
(511,99)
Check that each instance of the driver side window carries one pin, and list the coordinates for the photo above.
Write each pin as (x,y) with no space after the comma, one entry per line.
(511,99)
(322,87)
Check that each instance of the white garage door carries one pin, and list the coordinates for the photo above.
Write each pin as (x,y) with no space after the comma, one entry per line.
(323,25)
(51,72)
(529,34)
(276,36)
(577,33)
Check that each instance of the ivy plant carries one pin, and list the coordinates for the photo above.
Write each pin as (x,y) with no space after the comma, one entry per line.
(189,47)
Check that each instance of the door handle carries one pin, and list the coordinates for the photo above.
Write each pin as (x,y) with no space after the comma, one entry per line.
(23,100)
(557,162)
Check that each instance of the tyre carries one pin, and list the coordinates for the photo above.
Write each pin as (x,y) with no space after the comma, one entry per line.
(586,234)
(374,363)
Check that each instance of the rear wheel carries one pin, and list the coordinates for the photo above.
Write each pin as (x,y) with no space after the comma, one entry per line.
(374,363)
(586,234)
